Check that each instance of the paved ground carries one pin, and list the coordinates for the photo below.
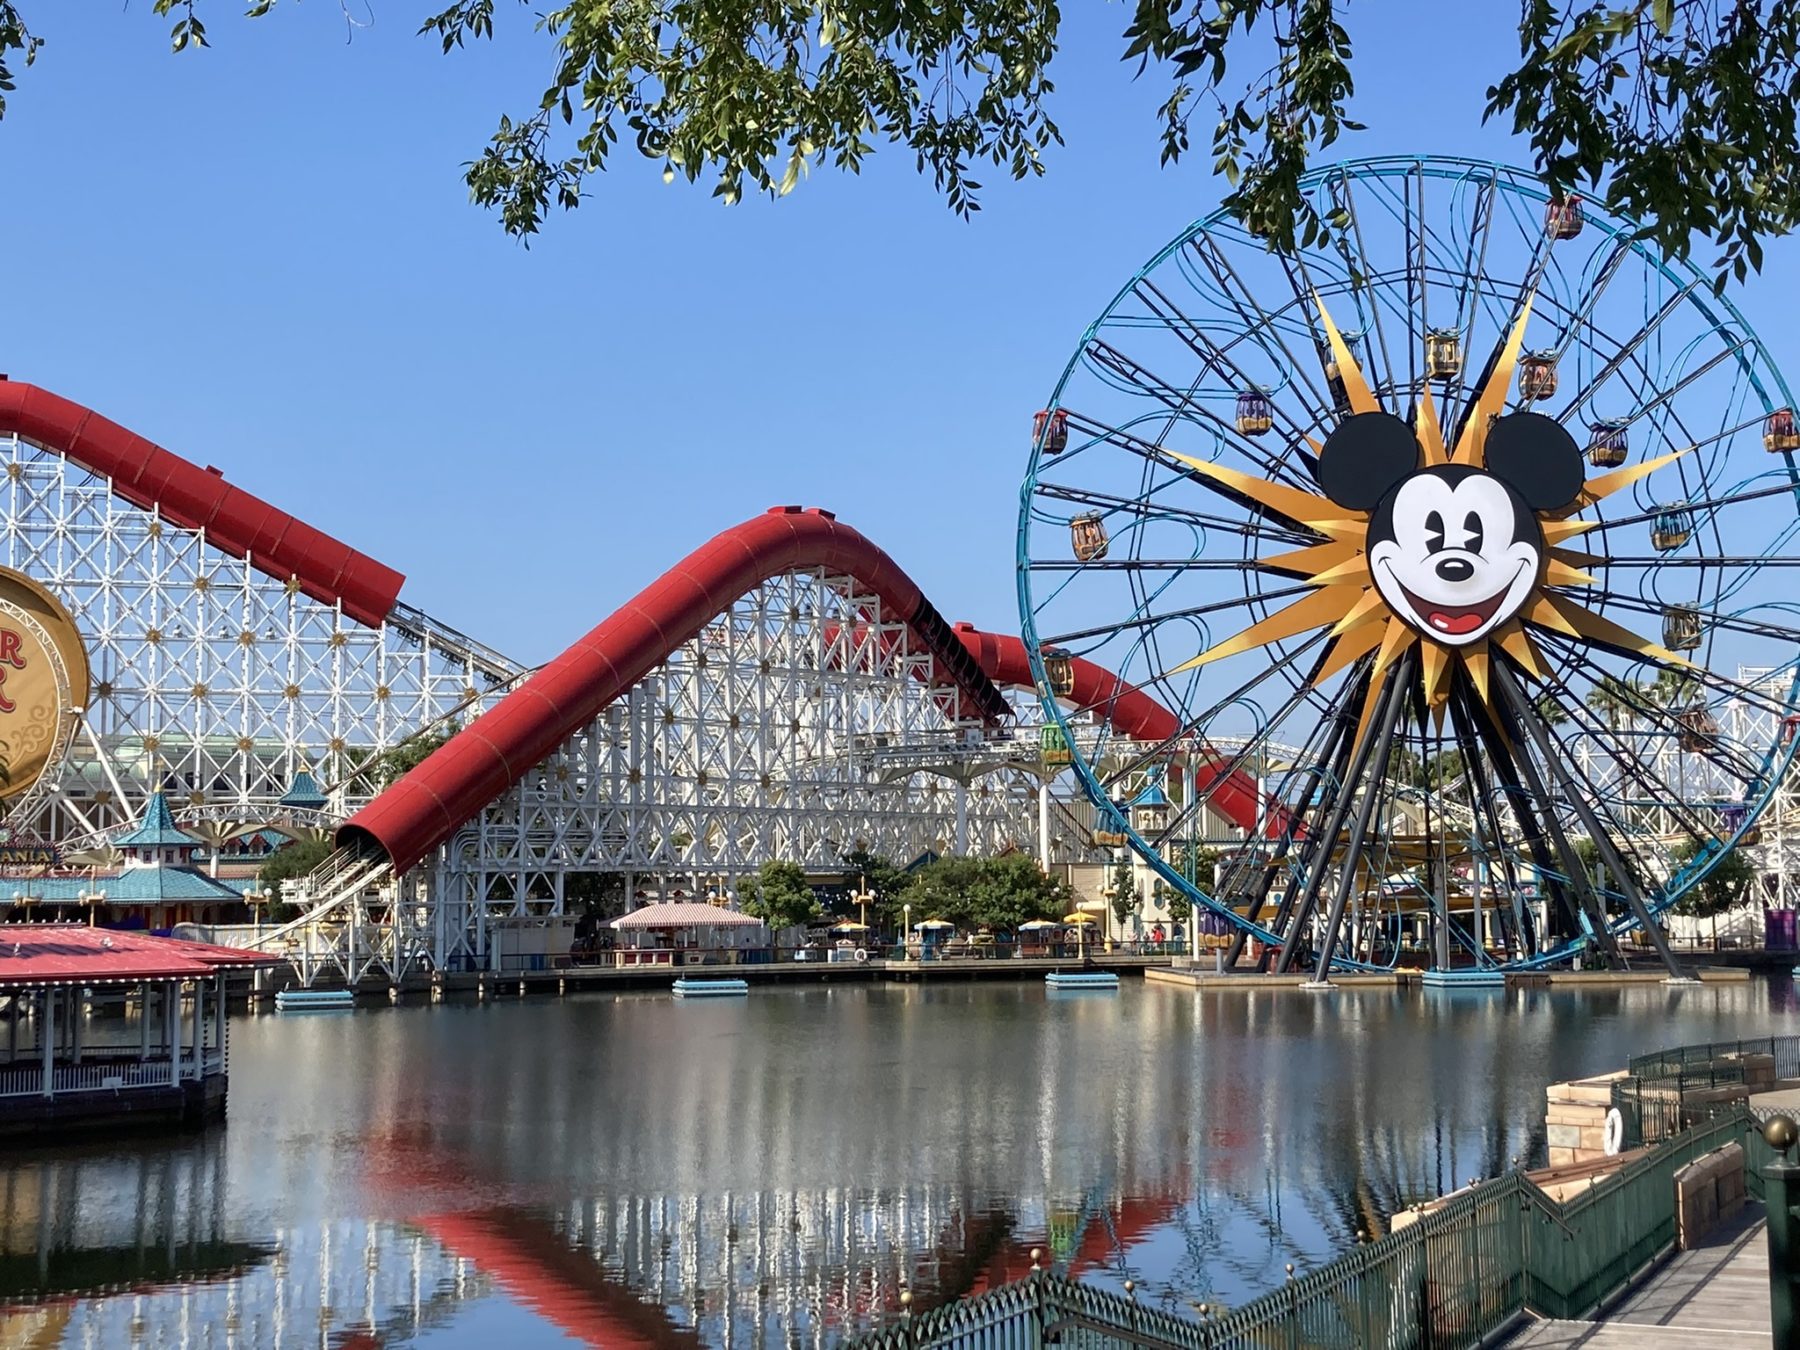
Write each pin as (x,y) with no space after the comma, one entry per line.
(1716,1296)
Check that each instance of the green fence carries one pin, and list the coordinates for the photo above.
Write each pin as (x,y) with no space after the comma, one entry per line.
(1447,1281)
(1664,1093)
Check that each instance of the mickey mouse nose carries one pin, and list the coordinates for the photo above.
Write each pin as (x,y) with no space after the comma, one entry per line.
(1455,569)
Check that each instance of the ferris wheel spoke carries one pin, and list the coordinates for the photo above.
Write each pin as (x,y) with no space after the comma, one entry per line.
(1622,753)
(1239,296)
(1730,623)
(1110,502)
(1190,612)
(1212,353)
(1376,305)
(1618,360)
(1630,696)
(1703,504)
(1183,404)
(1284,666)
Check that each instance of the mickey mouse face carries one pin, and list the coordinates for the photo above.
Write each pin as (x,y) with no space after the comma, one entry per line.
(1455,551)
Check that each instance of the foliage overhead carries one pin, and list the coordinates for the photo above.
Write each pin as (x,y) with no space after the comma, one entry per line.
(1679,113)
(781,897)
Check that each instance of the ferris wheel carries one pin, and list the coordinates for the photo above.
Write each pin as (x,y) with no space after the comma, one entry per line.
(1479,507)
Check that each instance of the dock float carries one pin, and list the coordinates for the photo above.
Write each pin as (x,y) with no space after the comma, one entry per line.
(1463,979)
(1081,979)
(314,1000)
(686,988)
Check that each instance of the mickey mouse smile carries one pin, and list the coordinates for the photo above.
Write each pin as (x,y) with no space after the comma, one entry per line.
(1454,620)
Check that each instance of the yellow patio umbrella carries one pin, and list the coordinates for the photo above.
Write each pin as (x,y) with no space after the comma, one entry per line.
(1079,918)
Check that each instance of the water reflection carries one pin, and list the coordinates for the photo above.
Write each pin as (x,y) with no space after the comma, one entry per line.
(632,1171)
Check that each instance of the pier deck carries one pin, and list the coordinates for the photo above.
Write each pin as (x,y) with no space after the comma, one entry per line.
(1715,1296)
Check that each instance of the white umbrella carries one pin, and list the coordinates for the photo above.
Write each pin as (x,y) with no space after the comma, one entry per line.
(1036,925)
(934,923)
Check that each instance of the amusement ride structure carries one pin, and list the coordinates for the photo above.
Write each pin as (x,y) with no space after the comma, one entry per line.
(1484,514)
(1432,577)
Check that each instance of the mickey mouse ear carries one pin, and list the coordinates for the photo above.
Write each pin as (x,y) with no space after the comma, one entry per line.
(1537,457)
(1365,458)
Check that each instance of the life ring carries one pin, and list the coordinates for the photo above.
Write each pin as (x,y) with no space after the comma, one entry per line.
(862,953)
(1613,1135)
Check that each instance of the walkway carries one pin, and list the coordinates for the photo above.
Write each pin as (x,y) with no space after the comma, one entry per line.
(1715,1296)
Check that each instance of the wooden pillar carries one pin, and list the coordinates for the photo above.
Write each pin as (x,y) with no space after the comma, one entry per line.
(47,1037)
(199,1030)
(171,993)
(219,1017)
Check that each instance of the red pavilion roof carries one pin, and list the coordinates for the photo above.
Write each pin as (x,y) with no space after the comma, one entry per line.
(45,953)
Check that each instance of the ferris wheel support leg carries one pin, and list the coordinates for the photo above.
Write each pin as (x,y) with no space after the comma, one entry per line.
(1460,724)
(1335,750)
(1359,761)
(1540,840)
(1602,841)
(1381,730)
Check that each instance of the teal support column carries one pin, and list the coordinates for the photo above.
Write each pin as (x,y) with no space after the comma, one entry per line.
(1781,1189)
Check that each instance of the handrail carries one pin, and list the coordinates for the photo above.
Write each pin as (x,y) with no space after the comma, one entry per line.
(1452,1279)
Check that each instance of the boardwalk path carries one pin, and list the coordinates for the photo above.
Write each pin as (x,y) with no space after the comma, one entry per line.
(1716,1296)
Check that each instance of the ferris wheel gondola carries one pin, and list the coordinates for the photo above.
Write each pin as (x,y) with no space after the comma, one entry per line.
(1483,506)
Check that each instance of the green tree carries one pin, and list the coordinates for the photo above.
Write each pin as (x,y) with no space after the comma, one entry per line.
(297,859)
(394,763)
(1124,898)
(1723,889)
(985,892)
(781,897)
(1679,113)
(882,879)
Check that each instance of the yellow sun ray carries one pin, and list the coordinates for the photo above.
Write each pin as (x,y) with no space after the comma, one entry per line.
(1348,648)
(1559,573)
(1475,661)
(1310,611)
(1431,435)
(1597,489)
(1471,446)
(1351,569)
(1517,643)
(1579,621)
(1436,673)
(1310,560)
(1576,558)
(1399,637)
(1555,531)
(1367,609)
(1356,389)
(1545,614)
(1293,503)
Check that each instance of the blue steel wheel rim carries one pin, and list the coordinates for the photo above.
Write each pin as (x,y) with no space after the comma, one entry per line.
(1429,245)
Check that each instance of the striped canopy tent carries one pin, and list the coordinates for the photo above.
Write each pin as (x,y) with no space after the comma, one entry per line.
(685,916)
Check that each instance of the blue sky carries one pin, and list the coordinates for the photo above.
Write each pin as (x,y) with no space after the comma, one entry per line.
(263,257)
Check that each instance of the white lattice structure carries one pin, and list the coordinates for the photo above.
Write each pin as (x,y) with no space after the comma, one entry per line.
(210,675)
(799,726)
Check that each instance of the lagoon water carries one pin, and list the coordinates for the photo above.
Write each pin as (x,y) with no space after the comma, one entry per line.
(635,1171)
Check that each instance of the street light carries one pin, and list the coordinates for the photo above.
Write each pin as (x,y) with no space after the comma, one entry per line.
(905,932)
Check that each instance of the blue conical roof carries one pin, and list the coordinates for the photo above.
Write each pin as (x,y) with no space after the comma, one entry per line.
(303,792)
(157,829)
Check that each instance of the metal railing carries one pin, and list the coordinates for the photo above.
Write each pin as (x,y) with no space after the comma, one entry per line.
(1447,1281)
(1665,1092)
(28,1081)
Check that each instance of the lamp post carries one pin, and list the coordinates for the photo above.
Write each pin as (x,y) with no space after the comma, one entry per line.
(257,898)
(1781,1188)
(906,932)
